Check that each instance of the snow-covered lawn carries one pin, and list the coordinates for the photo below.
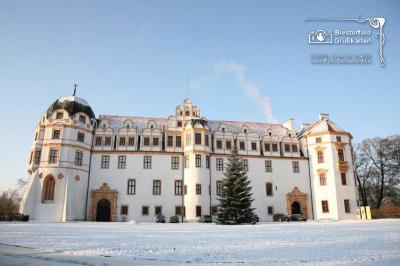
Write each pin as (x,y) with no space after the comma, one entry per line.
(310,243)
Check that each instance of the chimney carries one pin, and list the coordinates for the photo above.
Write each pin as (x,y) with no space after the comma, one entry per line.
(323,116)
(289,124)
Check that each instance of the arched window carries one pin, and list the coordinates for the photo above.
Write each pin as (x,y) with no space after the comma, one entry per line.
(49,185)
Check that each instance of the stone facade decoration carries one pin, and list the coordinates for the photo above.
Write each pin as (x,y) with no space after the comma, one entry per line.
(104,193)
(297,201)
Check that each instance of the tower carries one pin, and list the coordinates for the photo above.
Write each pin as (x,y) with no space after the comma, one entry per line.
(59,162)
(331,169)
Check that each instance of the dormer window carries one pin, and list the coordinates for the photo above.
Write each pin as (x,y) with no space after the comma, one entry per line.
(290,135)
(253,146)
(151,126)
(245,131)
(59,115)
(223,129)
(104,126)
(82,119)
(269,133)
(127,126)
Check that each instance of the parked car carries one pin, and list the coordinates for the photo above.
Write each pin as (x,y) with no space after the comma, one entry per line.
(280,217)
(174,219)
(206,219)
(160,219)
(298,218)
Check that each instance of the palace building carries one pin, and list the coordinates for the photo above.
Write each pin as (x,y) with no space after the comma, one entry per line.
(122,168)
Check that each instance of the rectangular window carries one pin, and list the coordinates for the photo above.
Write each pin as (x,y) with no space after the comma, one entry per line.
(122,141)
(341,155)
(131,187)
(146,141)
(170,141)
(245,164)
(131,141)
(287,148)
(145,210)
(31,158)
(347,206)
(156,187)
(267,147)
(178,210)
(338,139)
(322,179)
(294,148)
(198,189)
(214,210)
(269,190)
(53,156)
(185,189)
(178,187)
(158,210)
(105,161)
(206,140)
(274,147)
(344,179)
(124,209)
(207,161)
(178,141)
(296,167)
(220,164)
(228,145)
(98,141)
(325,206)
(179,124)
(186,161)
(268,166)
(56,134)
(174,162)
(82,119)
(188,139)
(198,160)
(197,138)
(320,155)
(122,162)
(155,142)
(147,162)
(219,188)
(81,137)
(198,211)
(317,140)
(241,145)
(36,159)
(270,210)
(78,158)
(254,146)
(219,144)
(107,141)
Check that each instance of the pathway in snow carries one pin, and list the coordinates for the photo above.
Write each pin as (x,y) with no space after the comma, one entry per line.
(311,243)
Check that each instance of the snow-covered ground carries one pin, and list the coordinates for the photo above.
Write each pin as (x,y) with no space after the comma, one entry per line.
(310,243)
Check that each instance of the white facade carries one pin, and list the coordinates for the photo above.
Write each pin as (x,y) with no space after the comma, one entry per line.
(132,168)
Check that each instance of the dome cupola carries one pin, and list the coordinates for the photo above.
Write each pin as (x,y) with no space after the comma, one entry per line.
(72,105)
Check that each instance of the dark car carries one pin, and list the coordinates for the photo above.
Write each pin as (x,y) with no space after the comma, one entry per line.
(206,219)
(160,219)
(174,219)
(298,218)
(280,217)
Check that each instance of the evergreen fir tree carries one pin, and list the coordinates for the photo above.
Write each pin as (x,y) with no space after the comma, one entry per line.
(236,197)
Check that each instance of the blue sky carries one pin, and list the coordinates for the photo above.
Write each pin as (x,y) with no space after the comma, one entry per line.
(134,58)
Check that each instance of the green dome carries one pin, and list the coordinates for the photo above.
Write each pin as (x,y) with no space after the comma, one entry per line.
(72,105)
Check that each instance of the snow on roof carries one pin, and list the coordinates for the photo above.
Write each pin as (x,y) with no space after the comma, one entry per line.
(117,122)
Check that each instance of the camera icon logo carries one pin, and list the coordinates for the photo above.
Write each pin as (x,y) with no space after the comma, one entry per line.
(320,36)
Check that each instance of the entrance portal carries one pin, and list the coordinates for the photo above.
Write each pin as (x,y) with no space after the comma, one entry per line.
(103,213)
(296,209)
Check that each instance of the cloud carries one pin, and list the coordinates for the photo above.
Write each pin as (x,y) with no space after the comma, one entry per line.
(238,71)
